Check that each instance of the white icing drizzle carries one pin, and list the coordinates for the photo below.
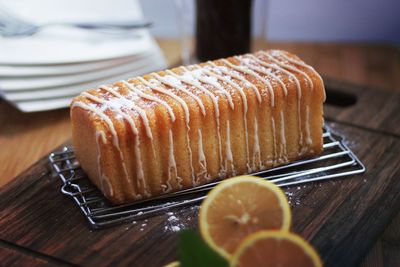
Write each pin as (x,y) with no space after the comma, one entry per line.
(300,63)
(103,116)
(286,66)
(202,159)
(103,178)
(195,83)
(309,80)
(130,104)
(142,113)
(109,186)
(171,162)
(187,118)
(308,132)
(198,73)
(170,94)
(226,71)
(229,156)
(256,147)
(110,125)
(139,164)
(115,108)
(297,82)
(151,98)
(277,67)
(284,155)
(245,105)
(139,170)
(172,170)
(175,83)
(191,80)
(268,73)
(234,85)
(275,158)
(252,73)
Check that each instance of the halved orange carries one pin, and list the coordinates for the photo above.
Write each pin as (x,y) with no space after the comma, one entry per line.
(275,248)
(238,207)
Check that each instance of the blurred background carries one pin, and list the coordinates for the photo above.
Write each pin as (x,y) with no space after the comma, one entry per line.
(52,50)
(369,21)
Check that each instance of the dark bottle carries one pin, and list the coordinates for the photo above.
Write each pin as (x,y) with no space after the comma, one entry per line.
(223,28)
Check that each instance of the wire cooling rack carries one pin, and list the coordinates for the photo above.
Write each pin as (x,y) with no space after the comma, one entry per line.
(336,161)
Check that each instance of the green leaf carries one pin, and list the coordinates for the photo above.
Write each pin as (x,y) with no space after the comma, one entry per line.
(194,252)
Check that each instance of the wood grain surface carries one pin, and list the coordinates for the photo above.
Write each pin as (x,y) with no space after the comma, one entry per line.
(342,218)
(13,255)
(25,138)
(380,107)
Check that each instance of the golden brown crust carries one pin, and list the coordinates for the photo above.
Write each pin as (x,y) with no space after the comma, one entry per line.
(155,135)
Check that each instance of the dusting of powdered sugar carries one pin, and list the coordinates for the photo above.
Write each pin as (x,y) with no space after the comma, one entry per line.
(293,194)
(176,222)
(173,223)
(293,200)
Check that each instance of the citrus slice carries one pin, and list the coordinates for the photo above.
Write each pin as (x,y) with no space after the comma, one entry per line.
(238,207)
(275,248)
(173,264)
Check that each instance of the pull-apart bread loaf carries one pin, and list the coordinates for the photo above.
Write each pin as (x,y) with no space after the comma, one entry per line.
(184,127)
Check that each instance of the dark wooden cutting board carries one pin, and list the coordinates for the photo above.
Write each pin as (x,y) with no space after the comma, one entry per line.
(342,218)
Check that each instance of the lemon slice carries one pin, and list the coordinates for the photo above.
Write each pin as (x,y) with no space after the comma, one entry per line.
(238,207)
(275,248)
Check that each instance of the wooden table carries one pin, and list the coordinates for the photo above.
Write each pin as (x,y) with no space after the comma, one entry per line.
(25,138)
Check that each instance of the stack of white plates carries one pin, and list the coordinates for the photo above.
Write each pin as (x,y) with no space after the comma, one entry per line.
(46,70)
